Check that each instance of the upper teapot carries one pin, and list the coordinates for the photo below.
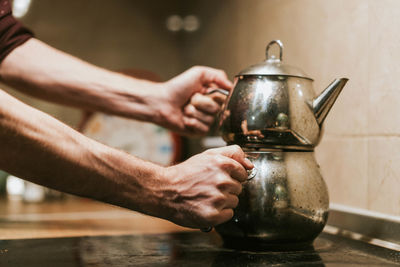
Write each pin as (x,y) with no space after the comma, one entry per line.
(273,105)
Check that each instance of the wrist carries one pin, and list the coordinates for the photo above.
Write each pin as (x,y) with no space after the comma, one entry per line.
(140,185)
(134,98)
(159,103)
(166,111)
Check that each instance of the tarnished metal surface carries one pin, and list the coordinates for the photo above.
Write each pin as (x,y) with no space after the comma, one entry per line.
(271,111)
(274,106)
(285,202)
(273,65)
(274,114)
(364,225)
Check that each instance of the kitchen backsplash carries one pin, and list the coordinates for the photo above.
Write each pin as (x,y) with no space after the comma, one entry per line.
(357,39)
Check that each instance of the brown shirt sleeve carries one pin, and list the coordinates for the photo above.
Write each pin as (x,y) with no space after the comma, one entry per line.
(12,32)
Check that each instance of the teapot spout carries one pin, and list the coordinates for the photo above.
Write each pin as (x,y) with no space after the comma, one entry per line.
(324,102)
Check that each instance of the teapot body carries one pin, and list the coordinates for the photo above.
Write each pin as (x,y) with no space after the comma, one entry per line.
(285,203)
(274,114)
(271,111)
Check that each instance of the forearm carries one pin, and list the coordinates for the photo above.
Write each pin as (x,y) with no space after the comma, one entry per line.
(37,147)
(42,71)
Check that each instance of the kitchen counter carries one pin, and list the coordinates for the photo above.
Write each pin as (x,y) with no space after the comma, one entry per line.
(184,249)
(74,216)
(79,232)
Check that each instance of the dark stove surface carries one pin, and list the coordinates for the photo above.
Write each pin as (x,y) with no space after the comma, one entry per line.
(185,249)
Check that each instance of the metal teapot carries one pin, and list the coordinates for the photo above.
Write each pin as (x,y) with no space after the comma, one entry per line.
(274,115)
(274,105)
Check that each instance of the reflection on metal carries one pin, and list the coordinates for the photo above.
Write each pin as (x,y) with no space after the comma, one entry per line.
(286,200)
(357,236)
(273,105)
(251,173)
(375,228)
(324,102)
(20,7)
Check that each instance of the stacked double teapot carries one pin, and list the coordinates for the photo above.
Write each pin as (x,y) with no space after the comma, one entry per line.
(274,115)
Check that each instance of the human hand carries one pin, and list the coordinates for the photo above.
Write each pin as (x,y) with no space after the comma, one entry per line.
(204,189)
(191,111)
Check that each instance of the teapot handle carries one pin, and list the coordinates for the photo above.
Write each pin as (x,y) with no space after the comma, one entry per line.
(218,90)
(278,42)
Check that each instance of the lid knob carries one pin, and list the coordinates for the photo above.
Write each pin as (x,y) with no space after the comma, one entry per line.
(278,42)
(273,65)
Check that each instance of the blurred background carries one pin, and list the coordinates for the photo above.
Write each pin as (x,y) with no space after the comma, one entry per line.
(159,39)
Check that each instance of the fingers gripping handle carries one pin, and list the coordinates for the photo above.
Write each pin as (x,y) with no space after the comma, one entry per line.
(251,174)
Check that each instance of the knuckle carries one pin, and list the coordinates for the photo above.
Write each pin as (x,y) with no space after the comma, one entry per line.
(239,188)
(211,151)
(221,161)
(212,216)
(209,119)
(222,72)
(192,110)
(219,200)
(194,98)
(237,149)
(224,182)
(191,122)
(225,216)
(197,95)
(213,107)
(221,181)
(188,110)
(200,69)
(235,201)
(231,213)
(206,128)
(196,67)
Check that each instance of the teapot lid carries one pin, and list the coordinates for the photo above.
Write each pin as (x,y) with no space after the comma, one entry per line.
(274,66)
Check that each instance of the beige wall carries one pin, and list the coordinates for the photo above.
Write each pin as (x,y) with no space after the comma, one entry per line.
(359,39)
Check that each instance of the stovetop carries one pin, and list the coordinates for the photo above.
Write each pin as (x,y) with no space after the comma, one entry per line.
(186,249)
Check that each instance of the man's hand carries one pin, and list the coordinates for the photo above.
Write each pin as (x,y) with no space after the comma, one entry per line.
(204,190)
(179,104)
(190,110)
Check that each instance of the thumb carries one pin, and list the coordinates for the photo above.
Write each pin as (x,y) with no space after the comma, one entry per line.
(216,77)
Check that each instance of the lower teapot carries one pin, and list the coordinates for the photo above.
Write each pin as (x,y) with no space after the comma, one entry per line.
(285,202)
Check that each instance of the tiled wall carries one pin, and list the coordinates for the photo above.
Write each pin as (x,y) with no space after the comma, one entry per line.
(359,39)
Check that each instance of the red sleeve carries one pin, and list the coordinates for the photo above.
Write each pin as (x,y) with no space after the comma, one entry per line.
(12,32)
